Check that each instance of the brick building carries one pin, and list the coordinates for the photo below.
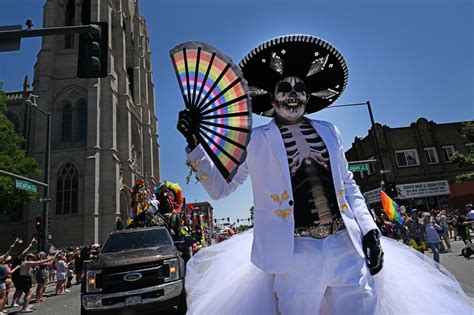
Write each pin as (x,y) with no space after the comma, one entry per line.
(418,161)
(206,209)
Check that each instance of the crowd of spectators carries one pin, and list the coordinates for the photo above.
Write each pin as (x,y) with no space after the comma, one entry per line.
(19,273)
(432,230)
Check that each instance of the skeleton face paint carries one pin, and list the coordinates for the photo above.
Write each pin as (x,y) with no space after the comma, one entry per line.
(290,99)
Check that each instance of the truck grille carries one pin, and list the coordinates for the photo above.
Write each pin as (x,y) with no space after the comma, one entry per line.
(112,280)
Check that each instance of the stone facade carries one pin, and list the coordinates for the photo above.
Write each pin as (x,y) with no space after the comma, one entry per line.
(431,142)
(104,131)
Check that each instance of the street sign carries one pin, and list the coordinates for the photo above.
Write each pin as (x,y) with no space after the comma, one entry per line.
(42,199)
(358,167)
(21,184)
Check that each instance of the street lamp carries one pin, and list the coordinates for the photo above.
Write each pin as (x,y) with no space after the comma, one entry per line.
(376,139)
(45,200)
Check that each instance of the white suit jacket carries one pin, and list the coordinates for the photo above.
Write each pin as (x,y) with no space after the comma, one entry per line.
(267,164)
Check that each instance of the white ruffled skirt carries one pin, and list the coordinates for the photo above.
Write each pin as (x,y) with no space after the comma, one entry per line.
(220,279)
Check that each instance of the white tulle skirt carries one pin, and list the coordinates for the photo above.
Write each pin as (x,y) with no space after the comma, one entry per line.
(220,279)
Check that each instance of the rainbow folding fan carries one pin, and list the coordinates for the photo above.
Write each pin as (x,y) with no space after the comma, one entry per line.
(216,94)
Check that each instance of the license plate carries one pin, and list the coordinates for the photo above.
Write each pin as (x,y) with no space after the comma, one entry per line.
(133,300)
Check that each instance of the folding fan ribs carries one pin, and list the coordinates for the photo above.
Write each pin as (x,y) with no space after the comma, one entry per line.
(216,94)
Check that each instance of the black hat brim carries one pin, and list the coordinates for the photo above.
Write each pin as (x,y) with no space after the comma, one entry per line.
(297,54)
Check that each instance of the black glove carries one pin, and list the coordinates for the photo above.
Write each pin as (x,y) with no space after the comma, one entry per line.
(373,251)
(188,126)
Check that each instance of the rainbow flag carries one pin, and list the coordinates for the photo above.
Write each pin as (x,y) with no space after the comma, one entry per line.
(390,207)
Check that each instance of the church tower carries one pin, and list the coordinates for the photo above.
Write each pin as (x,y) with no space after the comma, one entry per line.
(104,131)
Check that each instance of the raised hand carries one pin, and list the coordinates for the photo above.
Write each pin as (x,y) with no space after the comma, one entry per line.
(188,126)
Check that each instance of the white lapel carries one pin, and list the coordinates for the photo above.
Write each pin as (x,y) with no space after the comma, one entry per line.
(272,133)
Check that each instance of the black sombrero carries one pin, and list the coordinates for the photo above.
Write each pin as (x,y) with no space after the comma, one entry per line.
(312,59)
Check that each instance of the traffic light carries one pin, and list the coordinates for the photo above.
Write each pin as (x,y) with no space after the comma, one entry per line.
(215,220)
(391,190)
(228,219)
(38,224)
(237,220)
(92,54)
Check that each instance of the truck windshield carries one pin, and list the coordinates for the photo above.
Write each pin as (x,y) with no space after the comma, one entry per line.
(136,240)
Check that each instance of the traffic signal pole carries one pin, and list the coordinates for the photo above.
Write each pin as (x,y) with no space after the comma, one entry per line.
(18,34)
(376,140)
(93,44)
(377,145)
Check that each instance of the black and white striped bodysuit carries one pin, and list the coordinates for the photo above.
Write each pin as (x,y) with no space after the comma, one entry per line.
(311,179)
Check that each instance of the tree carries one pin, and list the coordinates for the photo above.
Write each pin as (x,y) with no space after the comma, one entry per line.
(466,160)
(13,159)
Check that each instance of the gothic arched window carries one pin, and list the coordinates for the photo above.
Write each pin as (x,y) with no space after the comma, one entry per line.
(67,187)
(70,16)
(66,124)
(81,127)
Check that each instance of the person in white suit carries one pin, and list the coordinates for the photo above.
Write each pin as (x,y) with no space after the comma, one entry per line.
(312,229)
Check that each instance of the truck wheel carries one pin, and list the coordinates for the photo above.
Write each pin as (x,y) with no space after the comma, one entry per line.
(182,307)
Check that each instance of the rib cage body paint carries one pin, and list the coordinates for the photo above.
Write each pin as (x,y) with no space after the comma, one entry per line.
(313,188)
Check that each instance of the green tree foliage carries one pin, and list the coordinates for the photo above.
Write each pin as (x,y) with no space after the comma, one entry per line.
(466,160)
(13,159)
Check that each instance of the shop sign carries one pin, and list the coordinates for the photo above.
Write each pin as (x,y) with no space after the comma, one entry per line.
(423,189)
(372,196)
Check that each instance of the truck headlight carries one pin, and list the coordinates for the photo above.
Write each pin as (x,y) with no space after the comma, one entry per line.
(91,281)
(174,269)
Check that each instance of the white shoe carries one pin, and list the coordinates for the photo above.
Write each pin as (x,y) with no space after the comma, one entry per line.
(26,310)
(15,304)
(67,290)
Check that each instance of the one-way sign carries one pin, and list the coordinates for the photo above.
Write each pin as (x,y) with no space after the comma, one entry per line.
(42,199)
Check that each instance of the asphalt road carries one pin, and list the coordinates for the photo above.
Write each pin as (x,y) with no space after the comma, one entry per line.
(460,267)
(69,303)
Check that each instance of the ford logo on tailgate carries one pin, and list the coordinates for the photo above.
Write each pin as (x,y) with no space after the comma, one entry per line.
(133,276)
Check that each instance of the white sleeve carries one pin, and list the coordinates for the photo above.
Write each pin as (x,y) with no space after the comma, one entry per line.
(352,193)
(210,177)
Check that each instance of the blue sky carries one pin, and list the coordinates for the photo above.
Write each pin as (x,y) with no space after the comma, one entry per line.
(411,59)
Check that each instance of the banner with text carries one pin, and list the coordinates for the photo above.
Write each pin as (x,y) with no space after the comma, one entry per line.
(372,196)
(423,189)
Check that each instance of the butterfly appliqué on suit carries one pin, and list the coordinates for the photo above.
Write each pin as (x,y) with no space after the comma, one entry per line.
(278,199)
(282,214)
